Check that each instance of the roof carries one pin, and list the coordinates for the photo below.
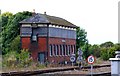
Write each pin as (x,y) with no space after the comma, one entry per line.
(44,18)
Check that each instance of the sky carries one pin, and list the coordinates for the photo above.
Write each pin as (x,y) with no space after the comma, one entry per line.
(99,18)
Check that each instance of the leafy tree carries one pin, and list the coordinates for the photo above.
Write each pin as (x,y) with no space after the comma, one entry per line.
(104,53)
(111,51)
(5,17)
(107,44)
(117,46)
(11,28)
(95,50)
(86,50)
(81,41)
(16,44)
(81,37)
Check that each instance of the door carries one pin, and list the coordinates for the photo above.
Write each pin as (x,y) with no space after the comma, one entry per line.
(41,57)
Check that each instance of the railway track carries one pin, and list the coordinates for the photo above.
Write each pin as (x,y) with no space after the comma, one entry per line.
(52,70)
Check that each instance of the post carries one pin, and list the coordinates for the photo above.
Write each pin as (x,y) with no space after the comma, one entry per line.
(91,70)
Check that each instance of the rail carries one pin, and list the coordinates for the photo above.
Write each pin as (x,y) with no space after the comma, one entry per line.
(50,70)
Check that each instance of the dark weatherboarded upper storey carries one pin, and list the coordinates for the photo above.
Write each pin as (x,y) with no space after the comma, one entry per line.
(44,18)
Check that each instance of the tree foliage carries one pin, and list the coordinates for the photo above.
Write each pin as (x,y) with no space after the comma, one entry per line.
(11,29)
(81,41)
(81,37)
(107,44)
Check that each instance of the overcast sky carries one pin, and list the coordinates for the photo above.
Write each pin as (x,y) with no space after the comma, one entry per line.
(99,18)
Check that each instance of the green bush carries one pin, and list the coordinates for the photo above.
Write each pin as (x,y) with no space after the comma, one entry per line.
(9,59)
(15,59)
(104,54)
(24,58)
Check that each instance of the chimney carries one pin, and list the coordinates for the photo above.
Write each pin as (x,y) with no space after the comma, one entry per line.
(33,12)
(45,13)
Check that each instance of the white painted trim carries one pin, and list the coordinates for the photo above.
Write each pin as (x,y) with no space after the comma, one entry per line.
(26,25)
(42,25)
(62,27)
(114,59)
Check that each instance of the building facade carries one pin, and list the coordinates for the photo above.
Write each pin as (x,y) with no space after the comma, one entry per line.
(48,38)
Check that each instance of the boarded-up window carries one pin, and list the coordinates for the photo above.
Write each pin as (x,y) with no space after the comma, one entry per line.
(54,49)
(60,49)
(66,50)
(57,48)
(71,49)
(63,49)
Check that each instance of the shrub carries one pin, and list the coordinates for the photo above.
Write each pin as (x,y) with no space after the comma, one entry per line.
(15,59)
(104,54)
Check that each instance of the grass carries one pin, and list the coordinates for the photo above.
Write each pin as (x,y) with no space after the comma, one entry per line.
(17,68)
(38,66)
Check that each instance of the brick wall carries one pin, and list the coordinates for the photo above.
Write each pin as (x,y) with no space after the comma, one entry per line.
(42,47)
(60,41)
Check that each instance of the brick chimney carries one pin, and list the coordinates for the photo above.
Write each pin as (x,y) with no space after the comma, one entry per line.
(33,12)
(45,13)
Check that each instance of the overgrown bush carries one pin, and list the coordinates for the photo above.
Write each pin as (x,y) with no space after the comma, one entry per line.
(24,58)
(107,53)
(9,59)
(15,59)
(104,54)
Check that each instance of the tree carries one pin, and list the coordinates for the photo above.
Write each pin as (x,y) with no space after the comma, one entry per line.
(107,44)
(11,28)
(117,47)
(95,50)
(16,44)
(86,49)
(81,37)
(81,41)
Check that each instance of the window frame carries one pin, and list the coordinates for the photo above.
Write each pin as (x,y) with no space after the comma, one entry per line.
(51,50)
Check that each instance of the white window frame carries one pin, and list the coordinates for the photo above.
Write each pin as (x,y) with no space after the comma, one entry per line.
(50,50)
(56,50)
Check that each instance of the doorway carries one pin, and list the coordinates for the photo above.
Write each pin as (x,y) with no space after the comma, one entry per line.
(41,57)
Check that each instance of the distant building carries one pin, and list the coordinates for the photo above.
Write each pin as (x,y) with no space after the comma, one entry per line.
(48,38)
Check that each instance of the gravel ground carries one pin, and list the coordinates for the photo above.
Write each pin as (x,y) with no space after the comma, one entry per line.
(84,71)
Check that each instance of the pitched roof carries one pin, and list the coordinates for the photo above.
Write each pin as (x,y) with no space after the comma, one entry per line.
(44,18)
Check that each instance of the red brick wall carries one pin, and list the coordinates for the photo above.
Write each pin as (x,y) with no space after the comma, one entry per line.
(25,42)
(42,44)
(59,41)
(42,47)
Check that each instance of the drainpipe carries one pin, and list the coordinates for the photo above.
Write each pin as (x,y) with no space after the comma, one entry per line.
(47,43)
